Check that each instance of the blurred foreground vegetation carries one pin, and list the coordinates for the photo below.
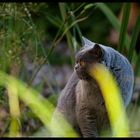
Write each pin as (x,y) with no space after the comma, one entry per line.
(38,44)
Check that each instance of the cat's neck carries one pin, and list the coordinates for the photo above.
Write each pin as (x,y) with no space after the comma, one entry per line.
(90,82)
(88,92)
(89,86)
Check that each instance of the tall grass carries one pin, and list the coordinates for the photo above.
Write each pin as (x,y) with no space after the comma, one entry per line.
(68,34)
(63,29)
(44,109)
(123,30)
(132,46)
(14,111)
(111,93)
(135,33)
(41,107)
(124,39)
(20,34)
(113,20)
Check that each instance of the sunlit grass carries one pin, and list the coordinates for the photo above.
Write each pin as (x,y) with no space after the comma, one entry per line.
(58,126)
(41,107)
(113,100)
(27,34)
(14,111)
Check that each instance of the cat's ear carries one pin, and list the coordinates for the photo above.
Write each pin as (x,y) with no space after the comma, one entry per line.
(86,42)
(97,50)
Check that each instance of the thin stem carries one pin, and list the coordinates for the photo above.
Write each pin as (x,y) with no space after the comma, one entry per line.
(123,30)
(134,38)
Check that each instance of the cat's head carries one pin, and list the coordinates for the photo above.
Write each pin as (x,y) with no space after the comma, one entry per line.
(86,58)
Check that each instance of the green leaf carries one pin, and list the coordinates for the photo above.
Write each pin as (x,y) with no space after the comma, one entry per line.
(123,30)
(137,66)
(135,33)
(62,7)
(113,20)
(40,106)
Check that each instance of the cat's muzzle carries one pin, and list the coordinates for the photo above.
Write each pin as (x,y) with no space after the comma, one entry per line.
(82,74)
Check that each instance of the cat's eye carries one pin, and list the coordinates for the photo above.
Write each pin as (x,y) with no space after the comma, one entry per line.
(82,63)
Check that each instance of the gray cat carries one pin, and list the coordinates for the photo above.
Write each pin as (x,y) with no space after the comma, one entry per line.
(81,101)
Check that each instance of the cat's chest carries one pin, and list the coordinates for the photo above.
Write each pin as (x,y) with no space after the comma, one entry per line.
(89,94)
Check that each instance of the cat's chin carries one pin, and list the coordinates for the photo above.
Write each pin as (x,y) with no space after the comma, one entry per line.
(84,77)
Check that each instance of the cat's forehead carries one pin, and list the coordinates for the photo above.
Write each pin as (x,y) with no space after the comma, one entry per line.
(82,53)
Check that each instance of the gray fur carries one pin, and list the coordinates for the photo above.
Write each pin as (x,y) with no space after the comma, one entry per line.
(120,68)
(87,43)
(81,101)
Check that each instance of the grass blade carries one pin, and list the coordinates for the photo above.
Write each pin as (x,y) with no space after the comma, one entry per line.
(111,93)
(110,15)
(62,8)
(123,30)
(54,20)
(14,111)
(137,66)
(75,28)
(135,33)
(41,107)
(113,20)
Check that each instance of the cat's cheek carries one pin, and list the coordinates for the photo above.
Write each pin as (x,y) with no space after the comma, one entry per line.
(79,74)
